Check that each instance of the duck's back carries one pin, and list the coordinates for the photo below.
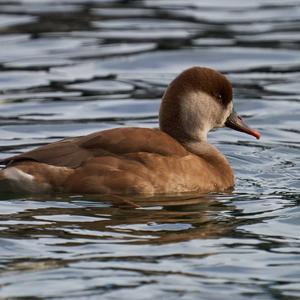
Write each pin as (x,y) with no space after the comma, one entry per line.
(74,152)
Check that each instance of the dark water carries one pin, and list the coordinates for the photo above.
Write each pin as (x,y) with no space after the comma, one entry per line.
(71,67)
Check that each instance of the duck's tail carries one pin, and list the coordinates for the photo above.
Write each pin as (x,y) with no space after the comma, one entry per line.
(14,181)
(6,185)
(34,178)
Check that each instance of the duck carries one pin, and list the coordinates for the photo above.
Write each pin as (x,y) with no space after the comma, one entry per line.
(175,158)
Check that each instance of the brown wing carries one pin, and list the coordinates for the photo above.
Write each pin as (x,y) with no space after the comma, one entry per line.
(73,152)
(130,140)
(63,153)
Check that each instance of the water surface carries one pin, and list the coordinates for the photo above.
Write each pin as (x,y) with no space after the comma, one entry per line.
(71,67)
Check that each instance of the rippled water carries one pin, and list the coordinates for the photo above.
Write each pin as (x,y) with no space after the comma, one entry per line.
(71,67)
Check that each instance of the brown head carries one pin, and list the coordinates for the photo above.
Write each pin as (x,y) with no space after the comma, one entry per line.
(196,101)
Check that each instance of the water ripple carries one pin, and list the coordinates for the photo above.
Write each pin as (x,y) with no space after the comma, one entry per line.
(72,67)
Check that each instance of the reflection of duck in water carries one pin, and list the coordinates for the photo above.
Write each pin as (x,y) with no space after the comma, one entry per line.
(160,219)
(175,159)
(173,219)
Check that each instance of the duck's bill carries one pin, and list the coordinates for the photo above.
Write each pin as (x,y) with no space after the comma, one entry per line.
(235,122)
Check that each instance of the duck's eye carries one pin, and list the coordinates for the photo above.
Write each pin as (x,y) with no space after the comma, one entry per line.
(219,97)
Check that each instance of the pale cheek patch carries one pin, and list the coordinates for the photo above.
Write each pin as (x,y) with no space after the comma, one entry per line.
(228,112)
(193,109)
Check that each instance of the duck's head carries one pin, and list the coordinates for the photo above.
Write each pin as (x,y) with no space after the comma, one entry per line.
(196,101)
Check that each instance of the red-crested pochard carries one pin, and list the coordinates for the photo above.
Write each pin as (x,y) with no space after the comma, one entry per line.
(176,158)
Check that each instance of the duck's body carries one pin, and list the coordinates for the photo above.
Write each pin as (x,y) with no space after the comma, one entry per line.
(120,161)
(173,159)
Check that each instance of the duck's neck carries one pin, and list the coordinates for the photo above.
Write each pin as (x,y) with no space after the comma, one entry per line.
(213,157)
(189,114)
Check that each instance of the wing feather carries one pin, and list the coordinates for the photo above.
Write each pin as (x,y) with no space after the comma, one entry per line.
(75,151)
